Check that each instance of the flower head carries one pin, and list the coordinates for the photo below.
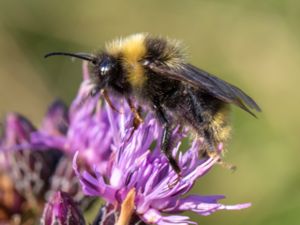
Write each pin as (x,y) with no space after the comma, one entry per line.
(24,162)
(34,168)
(138,165)
(61,209)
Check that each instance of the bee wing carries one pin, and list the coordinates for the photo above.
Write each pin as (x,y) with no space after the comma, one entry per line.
(213,85)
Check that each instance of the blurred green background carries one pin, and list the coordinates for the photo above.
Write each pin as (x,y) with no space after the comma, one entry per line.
(252,43)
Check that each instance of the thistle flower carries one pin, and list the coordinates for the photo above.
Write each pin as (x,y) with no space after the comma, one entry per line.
(28,167)
(33,169)
(142,175)
(61,209)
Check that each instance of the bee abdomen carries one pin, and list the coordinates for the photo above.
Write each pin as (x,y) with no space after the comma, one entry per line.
(219,125)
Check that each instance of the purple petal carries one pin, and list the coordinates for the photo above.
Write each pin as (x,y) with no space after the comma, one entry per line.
(93,186)
(204,205)
(17,130)
(85,70)
(153,216)
(56,119)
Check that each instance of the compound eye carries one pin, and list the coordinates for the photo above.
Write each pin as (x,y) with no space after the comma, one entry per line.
(105,66)
(104,70)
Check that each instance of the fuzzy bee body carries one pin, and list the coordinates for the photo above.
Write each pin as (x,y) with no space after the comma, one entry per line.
(154,71)
(185,105)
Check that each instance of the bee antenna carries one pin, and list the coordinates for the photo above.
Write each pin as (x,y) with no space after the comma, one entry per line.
(84,56)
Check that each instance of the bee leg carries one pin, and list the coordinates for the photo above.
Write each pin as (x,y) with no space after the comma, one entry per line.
(136,112)
(137,120)
(166,140)
(196,106)
(166,148)
(212,151)
(209,143)
(109,102)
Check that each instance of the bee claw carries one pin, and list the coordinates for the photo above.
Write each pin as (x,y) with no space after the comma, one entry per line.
(136,113)
(137,121)
(226,165)
(221,162)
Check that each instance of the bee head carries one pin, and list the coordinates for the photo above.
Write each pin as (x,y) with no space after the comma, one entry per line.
(103,67)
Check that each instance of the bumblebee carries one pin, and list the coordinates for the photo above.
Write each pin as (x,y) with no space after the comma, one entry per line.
(154,71)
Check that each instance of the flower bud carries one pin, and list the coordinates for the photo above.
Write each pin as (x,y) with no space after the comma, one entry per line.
(61,209)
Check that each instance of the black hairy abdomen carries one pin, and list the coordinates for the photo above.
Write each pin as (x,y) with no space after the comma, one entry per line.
(186,106)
